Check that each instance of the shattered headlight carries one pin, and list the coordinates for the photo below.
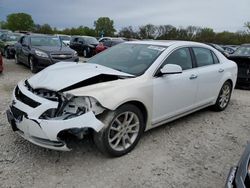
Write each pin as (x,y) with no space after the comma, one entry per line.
(71,106)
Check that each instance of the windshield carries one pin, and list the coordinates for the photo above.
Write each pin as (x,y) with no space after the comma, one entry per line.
(130,58)
(65,37)
(243,50)
(13,37)
(91,40)
(45,41)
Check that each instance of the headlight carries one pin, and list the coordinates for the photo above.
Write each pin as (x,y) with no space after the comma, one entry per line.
(41,54)
(72,106)
(75,53)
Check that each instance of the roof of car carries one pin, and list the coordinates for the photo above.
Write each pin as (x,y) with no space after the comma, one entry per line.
(164,42)
(247,44)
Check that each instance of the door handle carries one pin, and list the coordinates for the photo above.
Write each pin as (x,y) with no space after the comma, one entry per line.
(221,70)
(193,76)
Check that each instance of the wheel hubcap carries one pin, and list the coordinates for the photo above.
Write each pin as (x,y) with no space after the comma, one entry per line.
(16,58)
(224,96)
(31,65)
(123,131)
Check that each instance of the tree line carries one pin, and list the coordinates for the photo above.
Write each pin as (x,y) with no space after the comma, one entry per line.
(104,26)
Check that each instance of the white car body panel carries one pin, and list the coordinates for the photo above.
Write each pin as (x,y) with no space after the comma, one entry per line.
(165,98)
(50,78)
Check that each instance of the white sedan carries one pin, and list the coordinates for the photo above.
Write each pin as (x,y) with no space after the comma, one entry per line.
(120,93)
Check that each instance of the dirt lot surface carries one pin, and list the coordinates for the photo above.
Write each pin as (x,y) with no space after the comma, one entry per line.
(195,151)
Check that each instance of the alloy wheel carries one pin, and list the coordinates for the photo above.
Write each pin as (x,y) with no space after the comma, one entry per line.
(16,60)
(84,53)
(224,96)
(123,131)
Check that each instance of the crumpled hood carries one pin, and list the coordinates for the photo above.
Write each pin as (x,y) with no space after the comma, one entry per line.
(65,74)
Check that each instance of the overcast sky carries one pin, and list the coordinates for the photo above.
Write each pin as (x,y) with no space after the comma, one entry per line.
(220,15)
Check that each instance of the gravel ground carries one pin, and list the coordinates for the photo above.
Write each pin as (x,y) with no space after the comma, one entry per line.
(195,151)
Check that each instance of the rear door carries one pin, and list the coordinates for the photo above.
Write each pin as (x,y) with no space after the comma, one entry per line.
(210,72)
(24,51)
(74,44)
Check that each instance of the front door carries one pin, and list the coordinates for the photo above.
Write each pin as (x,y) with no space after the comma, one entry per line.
(175,94)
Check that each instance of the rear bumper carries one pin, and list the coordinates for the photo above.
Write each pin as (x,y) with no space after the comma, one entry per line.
(239,177)
(243,81)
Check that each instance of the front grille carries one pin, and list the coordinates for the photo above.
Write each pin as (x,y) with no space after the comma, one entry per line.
(18,114)
(24,99)
(61,56)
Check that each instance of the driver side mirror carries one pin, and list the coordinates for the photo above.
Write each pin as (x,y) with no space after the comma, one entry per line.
(171,69)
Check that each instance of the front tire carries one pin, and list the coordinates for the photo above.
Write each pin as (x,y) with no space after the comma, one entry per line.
(6,54)
(223,97)
(16,59)
(85,53)
(32,65)
(123,130)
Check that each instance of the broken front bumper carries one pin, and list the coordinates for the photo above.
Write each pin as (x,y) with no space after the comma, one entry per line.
(24,119)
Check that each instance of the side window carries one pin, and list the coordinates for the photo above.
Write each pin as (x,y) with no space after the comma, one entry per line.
(80,40)
(75,39)
(203,57)
(107,43)
(180,57)
(216,60)
(25,41)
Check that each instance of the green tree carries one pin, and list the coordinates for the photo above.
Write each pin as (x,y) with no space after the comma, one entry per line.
(105,26)
(247,25)
(206,35)
(45,29)
(128,32)
(3,25)
(20,21)
(147,31)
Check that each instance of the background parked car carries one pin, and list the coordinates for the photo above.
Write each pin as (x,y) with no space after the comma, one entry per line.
(40,51)
(65,39)
(7,42)
(228,49)
(242,57)
(84,45)
(3,31)
(238,176)
(107,44)
(220,49)
(1,63)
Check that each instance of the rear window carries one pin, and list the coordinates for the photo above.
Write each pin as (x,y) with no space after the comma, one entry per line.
(203,57)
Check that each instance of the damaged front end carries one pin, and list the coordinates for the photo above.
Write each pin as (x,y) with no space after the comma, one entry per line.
(52,119)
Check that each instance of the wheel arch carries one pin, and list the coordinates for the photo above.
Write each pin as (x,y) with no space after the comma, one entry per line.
(141,107)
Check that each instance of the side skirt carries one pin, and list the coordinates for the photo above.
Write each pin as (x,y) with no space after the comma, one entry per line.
(180,115)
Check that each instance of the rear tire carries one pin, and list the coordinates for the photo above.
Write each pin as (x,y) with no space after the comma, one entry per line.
(16,59)
(32,65)
(122,132)
(6,54)
(223,98)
